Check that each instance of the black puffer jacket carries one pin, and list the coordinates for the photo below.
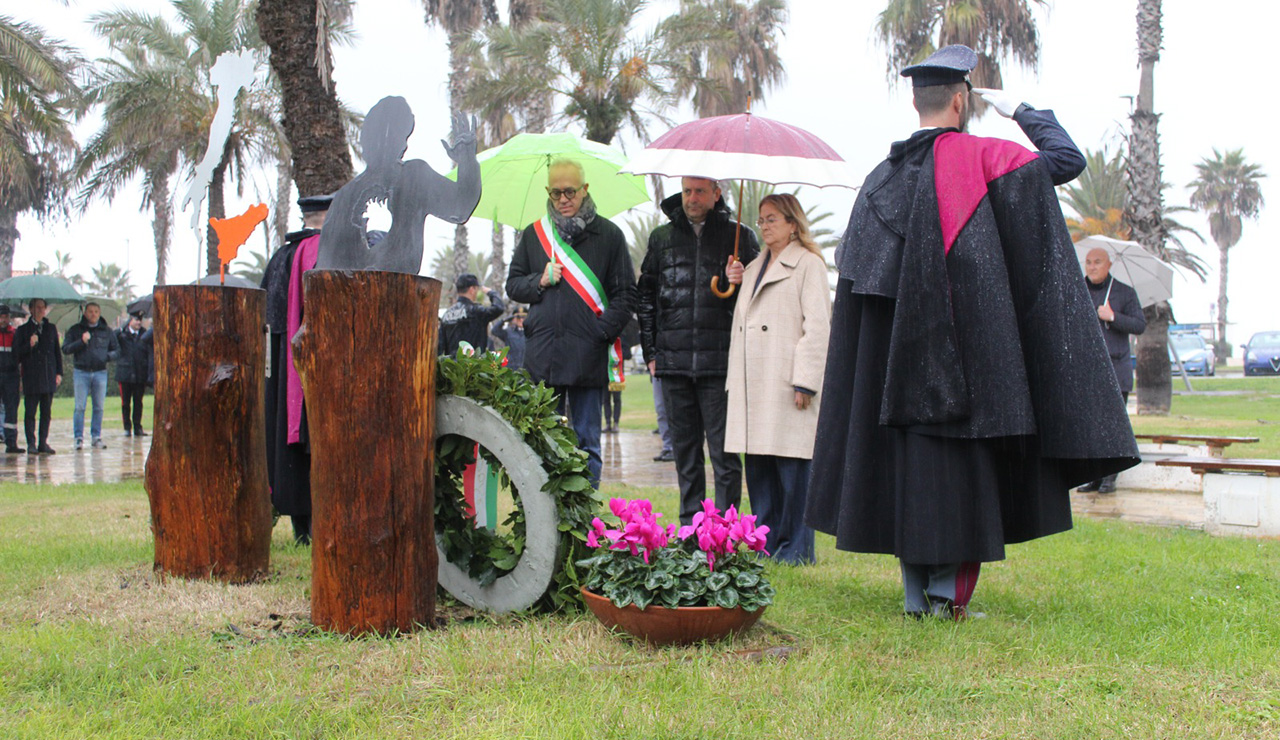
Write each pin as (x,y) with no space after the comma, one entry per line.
(93,355)
(684,327)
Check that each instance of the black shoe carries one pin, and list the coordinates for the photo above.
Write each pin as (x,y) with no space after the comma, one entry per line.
(666,456)
(13,449)
(655,431)
(128,432)
(46,450)
(1108,487)
(139,432)
(1089,487)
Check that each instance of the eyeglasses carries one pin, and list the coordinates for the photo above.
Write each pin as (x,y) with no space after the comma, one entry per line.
(768,221)
(557,194)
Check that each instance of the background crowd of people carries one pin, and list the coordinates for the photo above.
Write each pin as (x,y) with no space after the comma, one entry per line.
(32,369)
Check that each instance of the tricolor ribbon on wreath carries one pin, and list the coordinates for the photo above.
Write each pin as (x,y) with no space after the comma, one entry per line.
(583,281)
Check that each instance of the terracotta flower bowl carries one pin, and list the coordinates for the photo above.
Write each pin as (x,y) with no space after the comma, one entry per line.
(659,625)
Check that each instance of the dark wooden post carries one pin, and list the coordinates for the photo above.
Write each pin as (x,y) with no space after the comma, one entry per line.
(206,475)
(367,356)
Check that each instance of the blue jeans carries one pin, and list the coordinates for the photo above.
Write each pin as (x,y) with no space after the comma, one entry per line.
(778,488)
(86,381)
(584,415)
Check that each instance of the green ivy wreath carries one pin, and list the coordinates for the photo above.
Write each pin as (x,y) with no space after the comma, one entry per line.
(531,409)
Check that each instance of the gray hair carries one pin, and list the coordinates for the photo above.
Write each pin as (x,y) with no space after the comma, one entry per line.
(560,162)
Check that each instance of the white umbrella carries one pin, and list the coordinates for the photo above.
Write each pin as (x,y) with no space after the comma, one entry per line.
(1133,266)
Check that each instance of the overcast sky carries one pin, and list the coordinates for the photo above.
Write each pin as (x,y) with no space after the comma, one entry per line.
(1207,92)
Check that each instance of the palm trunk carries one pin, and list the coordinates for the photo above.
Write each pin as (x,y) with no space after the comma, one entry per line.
(497,259)
(284,197)
(217,209)
(461,253)
(1145,214)
(8,238)
(312,120)
(1222,347)
(161,223)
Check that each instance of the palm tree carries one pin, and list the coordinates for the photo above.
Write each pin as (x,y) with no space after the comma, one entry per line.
(251,266)
(1145,214)
(39,97)
(178,59)
(738,58)
(996,29)
(109,281)
(1100,197)
(312,117)
(134,140)
(1227,189)
(61,267)
(459,19)
(586,53)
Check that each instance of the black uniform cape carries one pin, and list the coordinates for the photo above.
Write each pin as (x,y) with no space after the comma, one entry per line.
(967,386)
(288,465)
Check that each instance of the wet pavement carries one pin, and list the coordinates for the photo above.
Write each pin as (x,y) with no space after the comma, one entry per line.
(628,459)
(123,459)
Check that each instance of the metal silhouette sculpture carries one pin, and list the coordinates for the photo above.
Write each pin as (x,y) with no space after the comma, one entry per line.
(410,190)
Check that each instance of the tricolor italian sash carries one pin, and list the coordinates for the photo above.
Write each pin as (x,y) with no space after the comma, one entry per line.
(480,491)
(582,280)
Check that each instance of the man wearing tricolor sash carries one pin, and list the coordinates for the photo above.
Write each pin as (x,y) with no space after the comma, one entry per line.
(573,269)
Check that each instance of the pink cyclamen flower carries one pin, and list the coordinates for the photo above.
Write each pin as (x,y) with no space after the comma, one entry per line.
(745,531)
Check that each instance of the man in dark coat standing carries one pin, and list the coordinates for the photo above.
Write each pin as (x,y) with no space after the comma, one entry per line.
(1120,313)
(288,463)
(132,370)
(36,344)
(952,423)
(10,383)
(573,269)
(466,320)
(685,330)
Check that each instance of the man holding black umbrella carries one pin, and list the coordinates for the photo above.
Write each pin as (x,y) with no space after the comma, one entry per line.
(36,344)
(10,383)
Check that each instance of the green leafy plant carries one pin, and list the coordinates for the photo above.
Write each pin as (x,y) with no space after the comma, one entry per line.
(531,408)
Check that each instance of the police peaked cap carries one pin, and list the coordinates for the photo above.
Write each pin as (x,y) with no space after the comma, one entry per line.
(314,203)
(946,66)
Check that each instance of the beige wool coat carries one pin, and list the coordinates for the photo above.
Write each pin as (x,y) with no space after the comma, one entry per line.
(779,342)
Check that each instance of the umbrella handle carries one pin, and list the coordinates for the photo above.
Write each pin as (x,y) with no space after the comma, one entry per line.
(715,283)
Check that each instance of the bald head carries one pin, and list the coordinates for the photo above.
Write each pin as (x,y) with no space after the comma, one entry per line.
(1097,265)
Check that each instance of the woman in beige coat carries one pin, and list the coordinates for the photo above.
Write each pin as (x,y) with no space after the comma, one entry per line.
(776,359)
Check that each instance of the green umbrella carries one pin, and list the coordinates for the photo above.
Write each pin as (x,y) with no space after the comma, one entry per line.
(25,288)
(514,177)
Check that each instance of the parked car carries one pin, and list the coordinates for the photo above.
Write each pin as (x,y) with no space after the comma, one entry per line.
(1196,354)
(1262,354)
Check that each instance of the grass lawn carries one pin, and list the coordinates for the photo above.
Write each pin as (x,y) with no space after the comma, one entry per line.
(1109,631)
(1251,410)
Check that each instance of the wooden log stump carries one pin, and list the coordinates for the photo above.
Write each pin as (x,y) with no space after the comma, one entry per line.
(206,474)
(367,356)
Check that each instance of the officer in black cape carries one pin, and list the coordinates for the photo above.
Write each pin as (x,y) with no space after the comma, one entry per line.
(288,465)
(968,387)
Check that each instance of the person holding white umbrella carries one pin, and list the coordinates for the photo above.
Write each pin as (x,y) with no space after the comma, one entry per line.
(1120,313)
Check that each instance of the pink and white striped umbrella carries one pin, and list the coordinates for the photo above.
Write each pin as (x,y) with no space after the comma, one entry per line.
(743,147)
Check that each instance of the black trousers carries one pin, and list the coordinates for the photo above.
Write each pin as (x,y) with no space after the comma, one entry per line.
(29,403)
(131,405)
(9,395)
(612,408)
(696,411)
